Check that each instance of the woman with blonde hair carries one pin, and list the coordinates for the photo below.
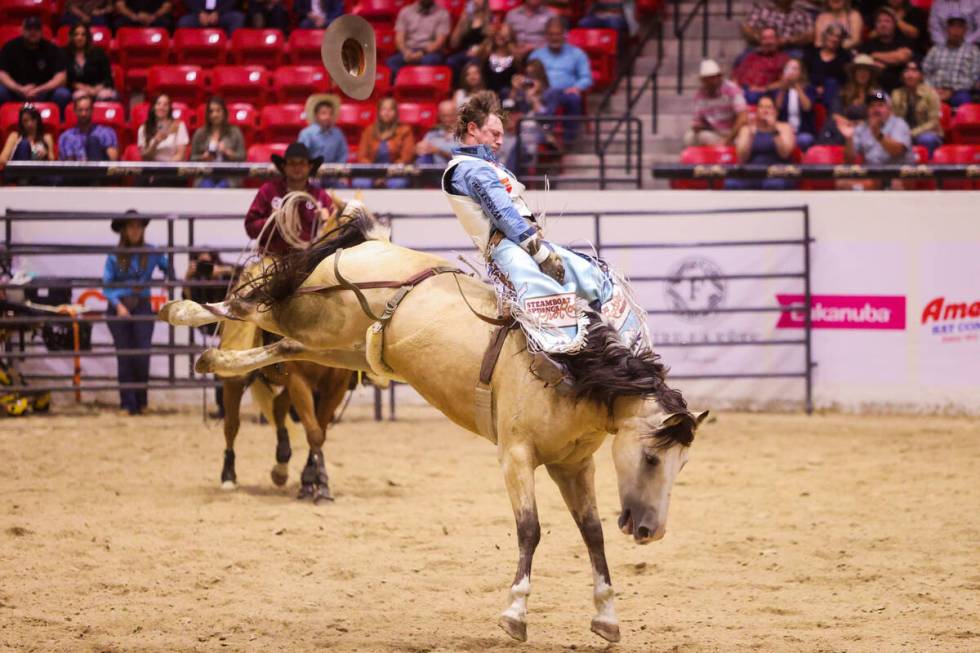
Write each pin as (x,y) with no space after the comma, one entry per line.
(387,141)
(472,29)
(840,12)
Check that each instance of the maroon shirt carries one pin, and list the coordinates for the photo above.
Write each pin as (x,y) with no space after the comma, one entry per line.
(758,69)
(262,207)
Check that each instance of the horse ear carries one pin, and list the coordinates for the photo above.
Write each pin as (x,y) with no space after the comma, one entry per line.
(700,417)
(337,201)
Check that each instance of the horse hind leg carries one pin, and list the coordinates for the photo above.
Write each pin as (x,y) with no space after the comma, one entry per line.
(231,390)
(314,482)
(284,452)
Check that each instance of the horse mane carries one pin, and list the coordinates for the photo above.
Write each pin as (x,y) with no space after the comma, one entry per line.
(606,369)
(287,273)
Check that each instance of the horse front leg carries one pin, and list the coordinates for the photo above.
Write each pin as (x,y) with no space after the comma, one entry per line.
(280,408)
(232,390)
(577,485)
(313,481)
(518,466)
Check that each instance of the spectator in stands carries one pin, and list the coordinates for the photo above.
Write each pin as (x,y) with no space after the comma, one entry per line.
(940,13)
(322,137)
(123,302)
(793,26)
(794,100)
(840,13)
(472,29)
(161,138)
(759,71)
(212,13)
(387,141)
(953,68)
(421,32)
(32,68)
(912,23)
(827,65)
(862,81)
(296,167)
(87,141)
(88,69)
(499,56)
(436,146)
(28,142)
(881,139)
(528,23)
(87,12)
(144,13)
(919,104)
(529,100)
(889,48)
(719,109)
(317,14)
(470,82)
(217,141)
(268,14)
(569,75)
(763,141)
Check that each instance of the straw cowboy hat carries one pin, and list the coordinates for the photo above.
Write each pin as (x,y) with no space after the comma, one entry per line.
(296,151)
(131,214)
(866,61)
(349,55)
(318,98)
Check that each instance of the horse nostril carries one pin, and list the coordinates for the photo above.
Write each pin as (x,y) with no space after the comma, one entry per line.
(643,532)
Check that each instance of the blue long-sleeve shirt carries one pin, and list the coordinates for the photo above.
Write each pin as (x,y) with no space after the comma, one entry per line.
(566,68)
(113,274)
(481,184)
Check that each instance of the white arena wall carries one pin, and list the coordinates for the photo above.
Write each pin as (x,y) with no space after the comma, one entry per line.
(895,280)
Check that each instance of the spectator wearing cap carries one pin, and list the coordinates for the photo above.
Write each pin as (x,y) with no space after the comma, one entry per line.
(32,68)
(953,67)
(318,14)
(144,13)
(889,48)
(529,22)
(322,137)
(919,104)
(569,74)
(759,71)
(296,166)
(940,13)
(437,144)
(882,138)
(87,141)
(421,31)
(763,140)
(719,109)
(793,26)
(212,13)
(87,12)
(794,101)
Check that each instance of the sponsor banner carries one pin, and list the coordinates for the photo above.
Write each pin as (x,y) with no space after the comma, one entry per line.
(883,312)
(554,310)
(952,321)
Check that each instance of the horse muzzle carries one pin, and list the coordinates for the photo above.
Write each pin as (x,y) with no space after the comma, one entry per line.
(644,526)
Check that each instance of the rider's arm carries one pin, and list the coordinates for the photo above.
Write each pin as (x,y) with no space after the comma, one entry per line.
(258,213)
(482,185)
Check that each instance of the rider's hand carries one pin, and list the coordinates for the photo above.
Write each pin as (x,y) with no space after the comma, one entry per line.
(553,267)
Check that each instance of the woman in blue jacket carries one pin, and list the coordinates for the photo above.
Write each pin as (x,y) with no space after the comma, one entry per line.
(131,300)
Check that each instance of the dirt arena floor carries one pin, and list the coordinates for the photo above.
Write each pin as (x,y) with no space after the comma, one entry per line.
(824,534)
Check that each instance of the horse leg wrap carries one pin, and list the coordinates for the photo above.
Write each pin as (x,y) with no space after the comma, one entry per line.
(313,481)
(228,477)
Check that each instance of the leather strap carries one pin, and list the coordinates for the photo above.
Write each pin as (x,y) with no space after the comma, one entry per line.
(492,354)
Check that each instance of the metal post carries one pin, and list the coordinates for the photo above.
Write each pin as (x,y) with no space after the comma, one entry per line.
(679,33)
(597,234)
(391,402)
(171,339)
(704,30)
(377,405)
(191,335)
(807,326)
(639,152)
(629,145)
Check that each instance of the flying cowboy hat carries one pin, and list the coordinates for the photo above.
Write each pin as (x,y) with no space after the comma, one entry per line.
(348,53)
(296,151)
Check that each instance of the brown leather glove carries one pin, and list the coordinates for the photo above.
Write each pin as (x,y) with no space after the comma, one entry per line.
(553,267)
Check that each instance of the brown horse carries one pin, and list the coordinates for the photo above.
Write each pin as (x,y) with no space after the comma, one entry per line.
(436,343)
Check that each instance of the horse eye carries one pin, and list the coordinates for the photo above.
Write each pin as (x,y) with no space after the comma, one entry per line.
(651,459)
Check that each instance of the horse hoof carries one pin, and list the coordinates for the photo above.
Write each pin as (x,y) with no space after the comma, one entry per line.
(513,627)
(228,485)
(305,492)
(205,362)
(280,474)
(606,630)
(322,494)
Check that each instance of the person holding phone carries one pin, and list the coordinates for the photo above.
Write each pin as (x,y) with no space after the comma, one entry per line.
(161,138)
(764,140)
(216,141)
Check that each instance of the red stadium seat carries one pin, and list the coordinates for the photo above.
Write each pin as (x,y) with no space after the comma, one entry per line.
(649,8)
(262,153)
(181,112)
(379,12)
(181,83)
(241,114)
(422,117)
(600,45)
(13,12)
(384,38)
(957,154)
(382,83)
(132,153)
(304,47)
(10,32)
(826,155)
(501,7)
(50,117)
(110,114)
(966,124)
(101,37)
(819,116)
(296,83)
(281,123)
(141,48)
(353,118)
(200,47)
(946,118)
(241,83)
(703,155)
(924,5)
(258,47)
(423,83)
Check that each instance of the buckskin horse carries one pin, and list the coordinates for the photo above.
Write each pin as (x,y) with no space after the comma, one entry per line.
(432,334)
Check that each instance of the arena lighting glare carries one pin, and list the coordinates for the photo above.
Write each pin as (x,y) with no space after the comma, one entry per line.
(349,55)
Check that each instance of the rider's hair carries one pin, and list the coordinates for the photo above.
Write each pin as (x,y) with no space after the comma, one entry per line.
(477,109)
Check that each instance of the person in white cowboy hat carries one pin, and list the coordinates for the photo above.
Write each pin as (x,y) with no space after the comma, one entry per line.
(322,137)
(719,109)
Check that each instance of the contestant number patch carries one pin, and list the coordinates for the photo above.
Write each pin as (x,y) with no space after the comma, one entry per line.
(554,310)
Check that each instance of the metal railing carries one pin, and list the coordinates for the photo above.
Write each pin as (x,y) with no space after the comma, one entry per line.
(912,172)
(653,30)
(681,26)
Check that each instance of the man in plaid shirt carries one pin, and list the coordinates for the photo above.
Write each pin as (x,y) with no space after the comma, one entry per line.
(794,26)
(953,69)
(759,71)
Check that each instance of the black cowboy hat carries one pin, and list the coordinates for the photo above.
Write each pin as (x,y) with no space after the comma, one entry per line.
(296,151)
(131,214)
